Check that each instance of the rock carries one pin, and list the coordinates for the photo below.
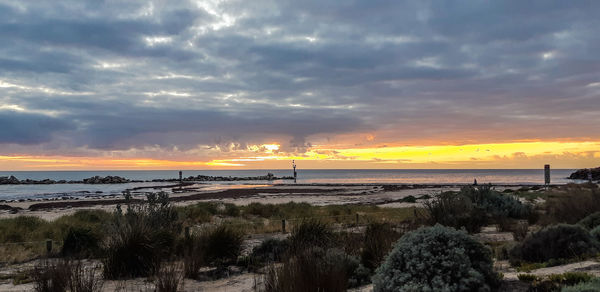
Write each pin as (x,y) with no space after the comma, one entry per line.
(582,174)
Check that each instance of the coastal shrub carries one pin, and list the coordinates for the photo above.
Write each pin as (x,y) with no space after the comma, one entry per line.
(589,286)
(496,204)
(554,282)
(168,278)
(65,275)
(554,243)
(198,213)
(474,207)
(51,276)
(595,233)
(270,250)
(572,203)
(262,210)
(194,256)
(590,221)
(454,210)
(80,242)
(223,244)
(316,269)
(140,238)
(436,258)
(23,228)
(311,233)
(378,241)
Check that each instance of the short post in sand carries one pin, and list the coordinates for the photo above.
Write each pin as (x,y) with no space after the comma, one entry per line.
(282,225)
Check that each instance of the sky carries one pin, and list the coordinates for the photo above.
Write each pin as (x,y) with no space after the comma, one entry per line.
(219,84)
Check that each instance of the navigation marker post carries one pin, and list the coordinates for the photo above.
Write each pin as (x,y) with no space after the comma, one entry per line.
(295,173)
(547,175)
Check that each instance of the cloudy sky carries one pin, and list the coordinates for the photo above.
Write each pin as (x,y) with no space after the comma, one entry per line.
(334,84)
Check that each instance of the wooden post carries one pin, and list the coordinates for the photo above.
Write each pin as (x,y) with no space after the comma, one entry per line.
(283,225)
(48,246)
(187,232)
(356,219)
(547,174)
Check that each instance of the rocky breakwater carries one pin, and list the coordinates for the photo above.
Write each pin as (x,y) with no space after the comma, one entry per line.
(269,176)
(583,174)
(5,180)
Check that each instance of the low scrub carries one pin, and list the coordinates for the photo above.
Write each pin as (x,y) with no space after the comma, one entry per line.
(474,207)
(379,239)
(269,251)
(64,275)
(589,286)
(436,259)
(311,233)
(572,203)
(141,238)
(555,242)
(590,221)
(316,269)
(169,278)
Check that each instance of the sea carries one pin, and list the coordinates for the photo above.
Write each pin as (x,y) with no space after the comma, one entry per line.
(305,176)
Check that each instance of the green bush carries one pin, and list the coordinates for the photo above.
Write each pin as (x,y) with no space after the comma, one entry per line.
(572,203)
(590,221)
(80,242)
(555,242)
(270,250)
(223,244)
(140,238)
(316,269)
(437,259)
(595,233)
(474,207)
(311,233)
(454,210)
(379,239)
(590,286)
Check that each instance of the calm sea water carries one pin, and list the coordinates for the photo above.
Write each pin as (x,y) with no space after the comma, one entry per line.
(417,176)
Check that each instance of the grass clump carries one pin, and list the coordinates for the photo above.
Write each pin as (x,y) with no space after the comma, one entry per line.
(316,269)
(436,258)
(379,239)
(556,242)
(141,238)
(64,275)
(311,233)
(572,203)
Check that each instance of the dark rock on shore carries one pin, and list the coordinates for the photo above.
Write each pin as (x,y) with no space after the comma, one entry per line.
(269,176)
(583,174)
(106,180)
(92,180)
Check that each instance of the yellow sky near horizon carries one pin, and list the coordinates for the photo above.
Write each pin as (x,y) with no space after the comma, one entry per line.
(268,156)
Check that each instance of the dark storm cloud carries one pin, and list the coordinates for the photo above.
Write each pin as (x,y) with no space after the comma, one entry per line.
(29,128)
(131,74)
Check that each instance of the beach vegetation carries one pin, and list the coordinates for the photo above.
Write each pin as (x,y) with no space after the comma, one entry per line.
(590,221)
(474,207)
(379,239)
(316,269)
(556,242)
(437,258)
(571,203)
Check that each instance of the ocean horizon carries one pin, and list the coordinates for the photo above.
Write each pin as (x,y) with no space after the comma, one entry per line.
(305,176)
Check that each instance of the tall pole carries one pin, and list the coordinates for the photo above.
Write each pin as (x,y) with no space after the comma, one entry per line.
(547,175)
(295,173)
(180,179)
